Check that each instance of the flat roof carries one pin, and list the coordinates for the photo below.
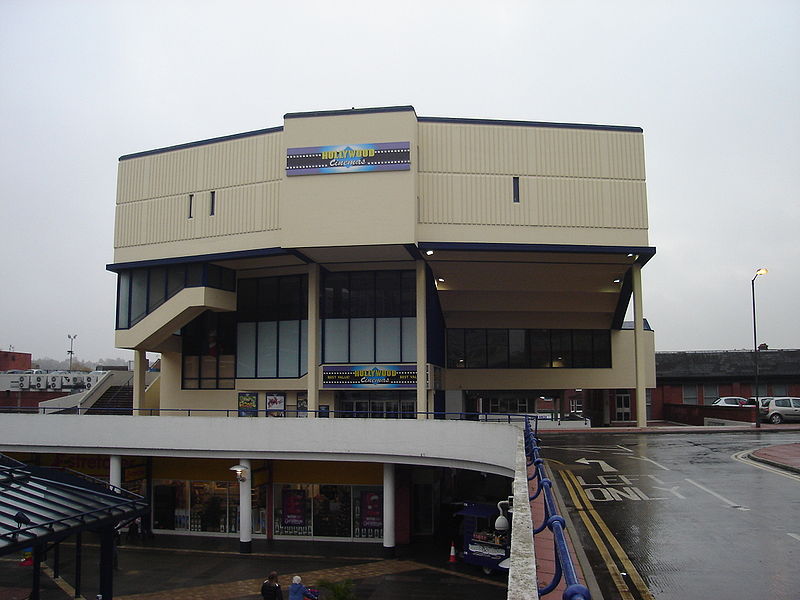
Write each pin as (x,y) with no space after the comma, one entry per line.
(382,109)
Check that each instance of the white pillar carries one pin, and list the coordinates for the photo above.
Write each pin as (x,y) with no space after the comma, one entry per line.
(245,509)
(313,353)
(639,345)
(115,471)
(422,341)
(388,509)
(139,371)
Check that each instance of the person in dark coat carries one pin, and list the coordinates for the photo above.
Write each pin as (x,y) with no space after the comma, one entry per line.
(271,589)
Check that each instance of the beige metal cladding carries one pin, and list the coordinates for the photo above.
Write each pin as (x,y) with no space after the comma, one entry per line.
(213,166)
(238,210)
(153,195)
(567,177)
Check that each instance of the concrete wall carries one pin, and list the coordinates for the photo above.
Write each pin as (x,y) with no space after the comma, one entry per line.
(487,447)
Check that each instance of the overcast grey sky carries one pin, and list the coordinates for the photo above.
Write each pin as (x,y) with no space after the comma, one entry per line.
(714,85)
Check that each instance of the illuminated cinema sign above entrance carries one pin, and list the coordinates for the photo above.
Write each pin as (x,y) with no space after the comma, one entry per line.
(369,376)
(350,158)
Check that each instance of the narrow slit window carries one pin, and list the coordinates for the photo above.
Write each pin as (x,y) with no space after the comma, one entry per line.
(191,205)
(515,181)
(213,206)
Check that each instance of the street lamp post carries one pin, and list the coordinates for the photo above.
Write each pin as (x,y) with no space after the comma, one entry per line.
(71,337)
(761,271)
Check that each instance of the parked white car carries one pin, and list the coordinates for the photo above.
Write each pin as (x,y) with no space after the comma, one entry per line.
(733,401)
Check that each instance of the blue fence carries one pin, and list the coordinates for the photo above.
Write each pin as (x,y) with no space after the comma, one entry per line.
(552,521)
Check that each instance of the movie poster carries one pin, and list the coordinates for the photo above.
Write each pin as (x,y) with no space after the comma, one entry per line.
(371,510)
(248,404)
(294,508)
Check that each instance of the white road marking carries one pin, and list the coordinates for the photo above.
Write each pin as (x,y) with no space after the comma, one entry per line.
(607,468)
(716,495)
(794,535)
(650,460)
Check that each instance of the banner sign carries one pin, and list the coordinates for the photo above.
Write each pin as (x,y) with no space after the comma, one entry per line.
(248,404)
(371,510)
(350,158)
(369,376)
(294,507)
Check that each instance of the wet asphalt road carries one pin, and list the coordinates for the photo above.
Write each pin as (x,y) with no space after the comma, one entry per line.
(676,516)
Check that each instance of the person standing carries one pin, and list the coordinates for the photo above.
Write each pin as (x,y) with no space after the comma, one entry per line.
(271,589)
(297,591)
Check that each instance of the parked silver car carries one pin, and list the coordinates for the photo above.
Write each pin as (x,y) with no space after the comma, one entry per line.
(733,401)
(780,409)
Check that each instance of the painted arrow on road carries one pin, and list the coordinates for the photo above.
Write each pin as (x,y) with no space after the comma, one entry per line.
(607,468)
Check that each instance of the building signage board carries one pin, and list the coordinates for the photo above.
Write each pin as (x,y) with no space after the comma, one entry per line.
(348,158)
(369,376)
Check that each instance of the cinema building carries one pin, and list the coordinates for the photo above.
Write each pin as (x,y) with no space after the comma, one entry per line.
(358,292)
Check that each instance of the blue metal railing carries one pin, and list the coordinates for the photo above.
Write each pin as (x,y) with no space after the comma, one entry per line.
(552,521)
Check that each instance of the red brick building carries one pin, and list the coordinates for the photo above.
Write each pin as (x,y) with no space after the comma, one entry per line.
(14,360)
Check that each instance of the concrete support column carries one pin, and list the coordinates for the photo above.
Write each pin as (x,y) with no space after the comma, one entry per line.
(313,340)
(245,509)
(639,345)
(115,471)
(388,509)
(422,340)
(139,371)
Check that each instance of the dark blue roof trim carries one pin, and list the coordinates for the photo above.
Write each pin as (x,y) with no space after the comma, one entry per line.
(413,251)
(225,138)
(351,111)
(198,258)
(645,252)
(529,124)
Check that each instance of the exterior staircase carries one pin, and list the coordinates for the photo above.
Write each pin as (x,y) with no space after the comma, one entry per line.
(117,400)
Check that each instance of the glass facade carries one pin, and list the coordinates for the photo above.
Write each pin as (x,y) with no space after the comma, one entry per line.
(377,404)
(209,347)
(210,506)
(528,348)
(369,317)
(272,327)
(141,291)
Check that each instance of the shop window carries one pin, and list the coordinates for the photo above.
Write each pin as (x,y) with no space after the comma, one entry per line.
(293,512)
(332,512)
(367,512)
(376,404)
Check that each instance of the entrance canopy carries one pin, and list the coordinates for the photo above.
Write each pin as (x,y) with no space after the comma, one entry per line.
(43,505)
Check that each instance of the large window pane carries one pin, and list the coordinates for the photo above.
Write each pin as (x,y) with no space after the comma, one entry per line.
(409,339)
(539,342)
(409,290)
(158,288)
(268,299)
(292,514)
(332,512)
(303,347)
(176,279)
(497,348)
(247,300)
(387,339)
(246,350)
(123,299)
(362,294)
(367,512)
(517,349)
(267,363)
(289,353)
(292,306)
(138,295)
(561,347)
(455,349)
(336,335)
(475,346)
(335,295)
(362,340)
(388,300)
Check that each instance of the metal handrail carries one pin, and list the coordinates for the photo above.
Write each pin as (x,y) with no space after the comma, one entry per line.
(552,521)
(234,412)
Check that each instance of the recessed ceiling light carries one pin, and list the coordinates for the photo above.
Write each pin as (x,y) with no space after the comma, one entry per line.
(429,252)
(617,280)
(440,279)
